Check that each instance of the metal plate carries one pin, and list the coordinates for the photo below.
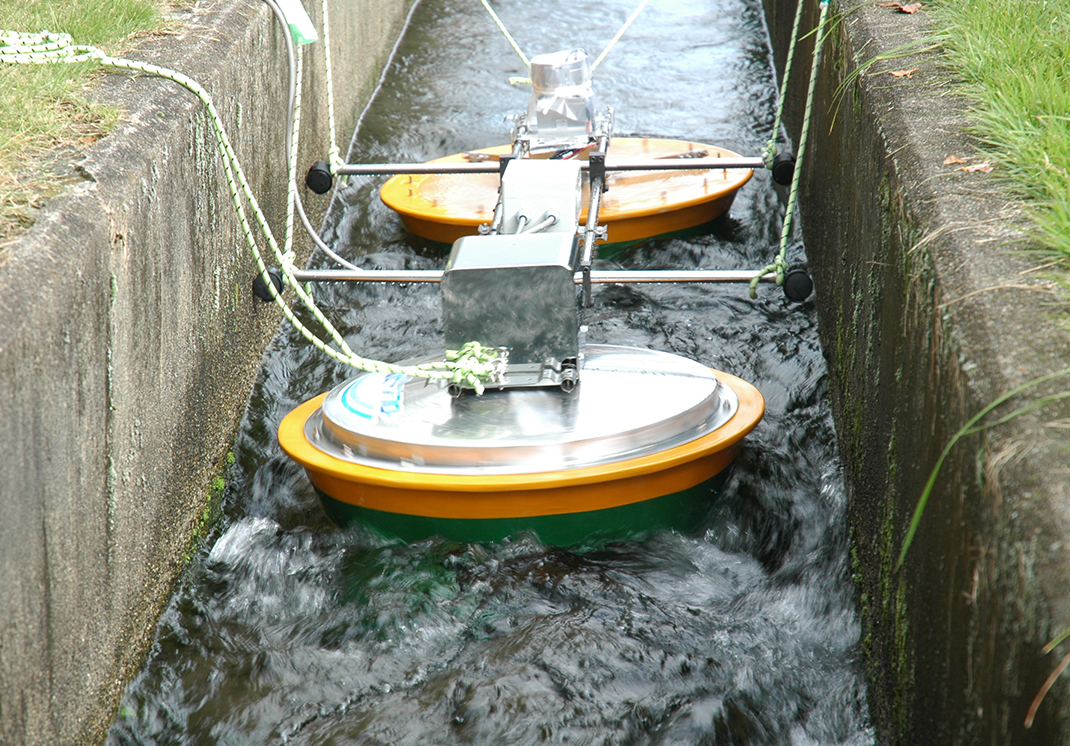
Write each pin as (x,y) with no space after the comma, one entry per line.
(630,403)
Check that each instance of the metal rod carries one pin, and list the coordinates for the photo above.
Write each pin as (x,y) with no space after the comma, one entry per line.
(598,277)
(589,237)
(498,219)
(491,167)
(683,164)
(597,186)
(368,275)
(370,169)
(630,276)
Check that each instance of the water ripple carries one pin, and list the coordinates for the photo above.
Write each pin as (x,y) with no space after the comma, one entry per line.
(287,630)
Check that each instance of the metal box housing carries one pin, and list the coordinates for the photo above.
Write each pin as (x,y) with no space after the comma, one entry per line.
(537,188)
(516,292)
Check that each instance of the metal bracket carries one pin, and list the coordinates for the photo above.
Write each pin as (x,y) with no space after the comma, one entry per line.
(601,232)
(503,162)
(596,168)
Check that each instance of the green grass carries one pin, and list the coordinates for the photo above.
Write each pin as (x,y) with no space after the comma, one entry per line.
(1014,59)
(44,110)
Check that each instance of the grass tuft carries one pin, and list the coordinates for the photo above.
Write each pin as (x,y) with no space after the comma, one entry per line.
(1014,59)
(44,109)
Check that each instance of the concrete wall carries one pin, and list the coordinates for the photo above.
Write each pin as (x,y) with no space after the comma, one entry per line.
(129,340)
(926,316)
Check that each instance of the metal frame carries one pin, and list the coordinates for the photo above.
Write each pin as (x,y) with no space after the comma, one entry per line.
(597,277)
(492,167)
(596,166)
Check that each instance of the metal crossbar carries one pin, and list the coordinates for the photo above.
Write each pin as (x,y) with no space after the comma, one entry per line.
(492,167)
(623,276)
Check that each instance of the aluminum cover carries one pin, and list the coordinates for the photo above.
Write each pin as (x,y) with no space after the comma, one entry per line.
(513,291)
(567,69)
(631,403)
(536,188)
(561,111)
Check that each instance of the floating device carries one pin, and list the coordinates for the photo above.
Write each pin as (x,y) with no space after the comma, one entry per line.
(562,122)
(636,205)
(518,424)
(642,442)
(563,438)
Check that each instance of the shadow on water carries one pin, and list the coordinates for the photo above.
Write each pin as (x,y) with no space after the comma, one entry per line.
(288,630)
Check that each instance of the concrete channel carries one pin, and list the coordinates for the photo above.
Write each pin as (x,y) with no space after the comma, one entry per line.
(927,314)
(129,340)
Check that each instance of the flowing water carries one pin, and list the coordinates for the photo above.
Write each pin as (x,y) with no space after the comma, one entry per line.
(287,630)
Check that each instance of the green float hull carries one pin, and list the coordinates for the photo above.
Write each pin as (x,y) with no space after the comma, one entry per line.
(682,511)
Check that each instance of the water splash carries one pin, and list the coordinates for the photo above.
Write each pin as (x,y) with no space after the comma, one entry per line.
(288,630)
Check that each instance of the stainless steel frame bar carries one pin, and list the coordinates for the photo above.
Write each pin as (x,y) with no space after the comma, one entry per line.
(684,164)
(597,186)
(621,277)
(491,167)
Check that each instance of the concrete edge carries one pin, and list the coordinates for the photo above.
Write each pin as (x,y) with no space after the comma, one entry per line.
(129,342)
(927,314)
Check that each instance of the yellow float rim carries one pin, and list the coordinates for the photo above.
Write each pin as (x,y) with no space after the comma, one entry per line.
(517,495)
(446,223)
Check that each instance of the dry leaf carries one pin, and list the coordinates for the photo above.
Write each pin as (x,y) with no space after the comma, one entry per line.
(982,167)
(902,73)
(908,8)
(953,159)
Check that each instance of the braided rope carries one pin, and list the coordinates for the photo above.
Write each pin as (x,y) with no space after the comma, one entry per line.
(334,154)
(472,365)
(780,263)
(619,34)
(770,149)
(505,32)
(291,178)
(527,63)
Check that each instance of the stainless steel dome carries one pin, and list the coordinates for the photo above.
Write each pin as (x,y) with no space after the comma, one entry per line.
(630,403)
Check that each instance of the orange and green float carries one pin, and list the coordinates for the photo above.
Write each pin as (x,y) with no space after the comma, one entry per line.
(642,442)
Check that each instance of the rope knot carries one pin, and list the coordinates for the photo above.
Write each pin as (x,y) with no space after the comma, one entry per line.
(476,365)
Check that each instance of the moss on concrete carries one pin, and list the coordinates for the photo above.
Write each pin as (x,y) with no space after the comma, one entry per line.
(950,640)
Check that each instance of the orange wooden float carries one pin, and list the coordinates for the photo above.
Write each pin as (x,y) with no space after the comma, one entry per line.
(635,206)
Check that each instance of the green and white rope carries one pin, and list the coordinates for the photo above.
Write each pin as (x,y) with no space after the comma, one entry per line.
(780,264)
(473,365)
(42,48)
(770,149)
(334,154)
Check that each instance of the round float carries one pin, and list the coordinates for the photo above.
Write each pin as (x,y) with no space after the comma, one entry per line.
(642,442)
(635,206)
